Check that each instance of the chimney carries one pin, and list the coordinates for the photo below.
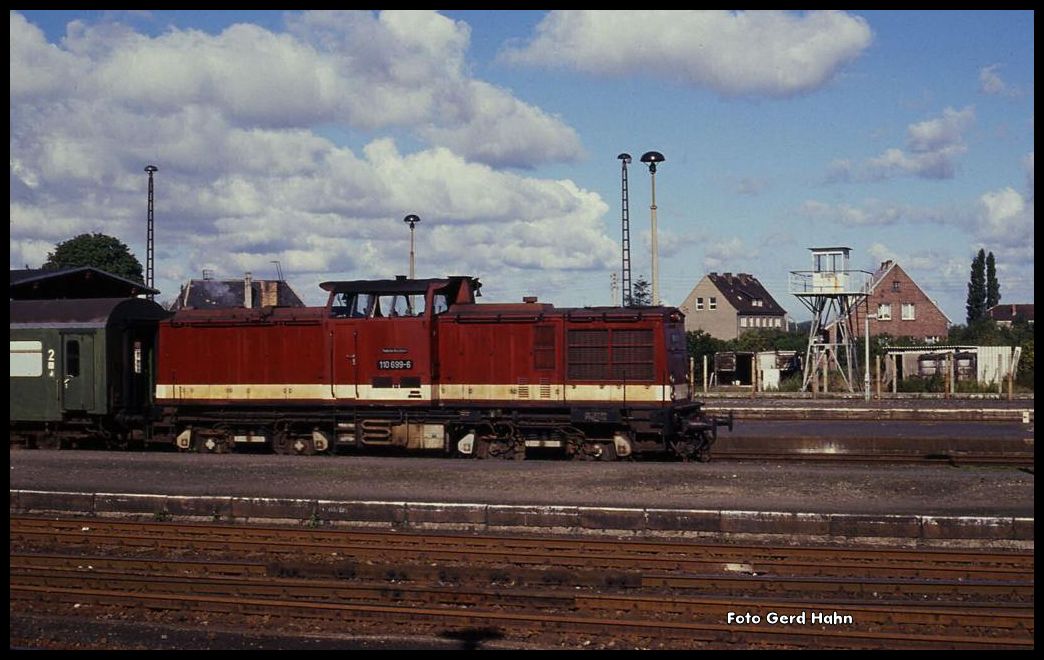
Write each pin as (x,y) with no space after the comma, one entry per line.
(248,290)
(269,294)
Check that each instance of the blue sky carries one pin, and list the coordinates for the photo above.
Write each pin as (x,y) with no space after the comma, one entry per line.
(305,137)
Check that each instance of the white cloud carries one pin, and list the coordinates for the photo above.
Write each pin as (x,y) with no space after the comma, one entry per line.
(942,132)
(365,71)
(872,213)
(990,83)
(721,253)
(1027,164)
(1006,218)
(245,178)
(933,148)
(734,53)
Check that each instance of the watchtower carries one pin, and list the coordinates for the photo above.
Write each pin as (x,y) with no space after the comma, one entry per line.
(831,290)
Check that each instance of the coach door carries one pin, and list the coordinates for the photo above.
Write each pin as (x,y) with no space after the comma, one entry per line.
(77,372)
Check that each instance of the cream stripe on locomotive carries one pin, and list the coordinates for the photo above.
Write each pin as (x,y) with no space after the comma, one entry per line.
(472,392)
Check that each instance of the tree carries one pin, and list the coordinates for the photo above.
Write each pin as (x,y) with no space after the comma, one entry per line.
(993,295)
(641,296)
(98,251)
(976,305)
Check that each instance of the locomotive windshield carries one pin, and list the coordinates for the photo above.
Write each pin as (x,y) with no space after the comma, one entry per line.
(370,306)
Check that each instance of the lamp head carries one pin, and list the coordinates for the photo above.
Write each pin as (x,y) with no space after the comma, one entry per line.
(650,158)
(411,220)
(626,158)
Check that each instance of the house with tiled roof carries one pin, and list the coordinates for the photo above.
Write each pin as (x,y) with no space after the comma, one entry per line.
(900,308)
(726,305)
(224,294)
(1007,314)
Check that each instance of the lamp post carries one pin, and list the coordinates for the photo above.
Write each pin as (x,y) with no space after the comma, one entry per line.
(651,158)
(412,221)
(866,352)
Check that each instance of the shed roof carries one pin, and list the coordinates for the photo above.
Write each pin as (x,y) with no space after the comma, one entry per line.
(82,282)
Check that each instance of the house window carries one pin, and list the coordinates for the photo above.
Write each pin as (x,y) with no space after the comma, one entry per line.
(713,303)
(743,321)
(908,312)
(884,312)
(699,304)
(931,340)
(757,302)
(895,285)
(778,323)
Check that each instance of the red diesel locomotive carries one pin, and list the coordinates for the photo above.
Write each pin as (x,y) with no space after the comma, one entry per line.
(418,365)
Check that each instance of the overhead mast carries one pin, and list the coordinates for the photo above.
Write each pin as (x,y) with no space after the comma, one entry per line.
(625,279)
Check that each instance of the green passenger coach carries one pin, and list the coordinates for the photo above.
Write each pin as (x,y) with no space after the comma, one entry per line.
(85,364)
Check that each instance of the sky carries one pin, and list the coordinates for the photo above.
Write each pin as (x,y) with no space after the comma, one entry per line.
(300,140)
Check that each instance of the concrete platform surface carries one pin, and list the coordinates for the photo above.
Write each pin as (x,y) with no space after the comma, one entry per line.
(820,488)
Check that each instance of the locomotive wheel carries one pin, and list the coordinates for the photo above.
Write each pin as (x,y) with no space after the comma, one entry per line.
(597,451)
(607,451)
(498,448)
(281,443)
(213,444)
(302,446)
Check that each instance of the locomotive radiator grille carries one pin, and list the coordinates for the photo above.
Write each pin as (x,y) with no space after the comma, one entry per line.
(625,355)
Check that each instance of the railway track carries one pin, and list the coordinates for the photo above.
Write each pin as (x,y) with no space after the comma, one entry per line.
(547,591)
(1020,459)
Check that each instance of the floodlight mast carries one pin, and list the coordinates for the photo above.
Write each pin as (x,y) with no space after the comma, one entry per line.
(412,221)
(651,158)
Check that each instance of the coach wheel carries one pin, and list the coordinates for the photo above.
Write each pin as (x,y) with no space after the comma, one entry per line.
(47,442)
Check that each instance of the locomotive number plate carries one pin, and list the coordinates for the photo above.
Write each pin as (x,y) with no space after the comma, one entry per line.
(394,364)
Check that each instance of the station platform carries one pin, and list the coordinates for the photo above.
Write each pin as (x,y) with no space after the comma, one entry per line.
(917,506)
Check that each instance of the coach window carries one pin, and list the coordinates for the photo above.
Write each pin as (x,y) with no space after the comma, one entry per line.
(72,358)
(27,358)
